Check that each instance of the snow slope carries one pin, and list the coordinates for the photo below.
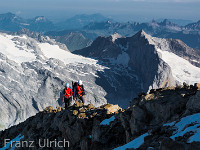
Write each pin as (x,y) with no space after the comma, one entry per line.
(189,124)
(53,51)
(136,143)
(182,70)
(18,54)
(107,121)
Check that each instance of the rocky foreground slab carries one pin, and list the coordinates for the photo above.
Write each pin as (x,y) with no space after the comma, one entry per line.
(166,119)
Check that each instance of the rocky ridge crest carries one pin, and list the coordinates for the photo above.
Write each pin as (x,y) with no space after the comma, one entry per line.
(148,113)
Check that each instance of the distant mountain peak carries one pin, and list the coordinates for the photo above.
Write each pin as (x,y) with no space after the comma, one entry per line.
(115,36)
(40,18)
(142,33)
(166,22)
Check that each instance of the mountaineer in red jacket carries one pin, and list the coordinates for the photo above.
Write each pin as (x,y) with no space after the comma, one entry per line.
(67,95)
(79,91)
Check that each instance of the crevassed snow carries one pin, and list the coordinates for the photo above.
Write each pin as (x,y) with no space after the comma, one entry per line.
(14,51)
(182,70)
(136,143)
(107,121)
(187,124)
(8,48)
(17,139)
(53,51)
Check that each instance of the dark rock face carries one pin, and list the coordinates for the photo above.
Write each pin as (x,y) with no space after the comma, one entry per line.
(135,53)
(62,124)
(83,127)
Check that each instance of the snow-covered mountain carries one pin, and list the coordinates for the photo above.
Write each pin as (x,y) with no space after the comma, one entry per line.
(33,71)
(33,74)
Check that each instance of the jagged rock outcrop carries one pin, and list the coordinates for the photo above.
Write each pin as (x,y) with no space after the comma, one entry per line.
(74,125)
(162,118)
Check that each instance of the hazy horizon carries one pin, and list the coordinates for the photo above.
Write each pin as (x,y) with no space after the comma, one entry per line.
(120,10)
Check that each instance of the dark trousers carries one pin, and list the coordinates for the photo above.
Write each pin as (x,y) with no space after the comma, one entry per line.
(67,102)
(82,99)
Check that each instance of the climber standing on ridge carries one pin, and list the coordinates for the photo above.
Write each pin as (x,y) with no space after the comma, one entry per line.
(67,95)
(79,92)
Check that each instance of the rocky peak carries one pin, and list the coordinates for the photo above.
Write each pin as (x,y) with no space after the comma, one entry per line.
(143,34)
(40,19)
(166,22)
(115,36)
(193,26)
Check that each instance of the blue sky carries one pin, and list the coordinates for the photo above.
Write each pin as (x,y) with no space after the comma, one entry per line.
(135,10)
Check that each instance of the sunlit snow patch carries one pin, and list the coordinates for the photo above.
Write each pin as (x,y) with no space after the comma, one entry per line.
(187,124)
(182,70)
(107,121)
(136,143)
(53,51)
(18,54)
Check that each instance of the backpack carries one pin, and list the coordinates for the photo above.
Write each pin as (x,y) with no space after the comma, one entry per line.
(74,86)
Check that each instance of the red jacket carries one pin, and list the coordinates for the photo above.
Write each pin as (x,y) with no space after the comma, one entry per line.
(67,93)
(79,90)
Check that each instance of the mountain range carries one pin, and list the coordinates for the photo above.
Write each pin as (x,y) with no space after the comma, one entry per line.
(12,22)
(33,70)
(165,29)
(81,30)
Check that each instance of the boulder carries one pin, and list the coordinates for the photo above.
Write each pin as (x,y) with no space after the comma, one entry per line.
(90,106)
(77,104)
(75,112)
(197,85)
(193,105)
(49,109)
(149,96)
(112,108)
(82,116)
(59,109)
(82,109)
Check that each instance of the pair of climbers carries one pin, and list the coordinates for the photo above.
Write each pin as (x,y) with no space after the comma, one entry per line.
(77,91)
